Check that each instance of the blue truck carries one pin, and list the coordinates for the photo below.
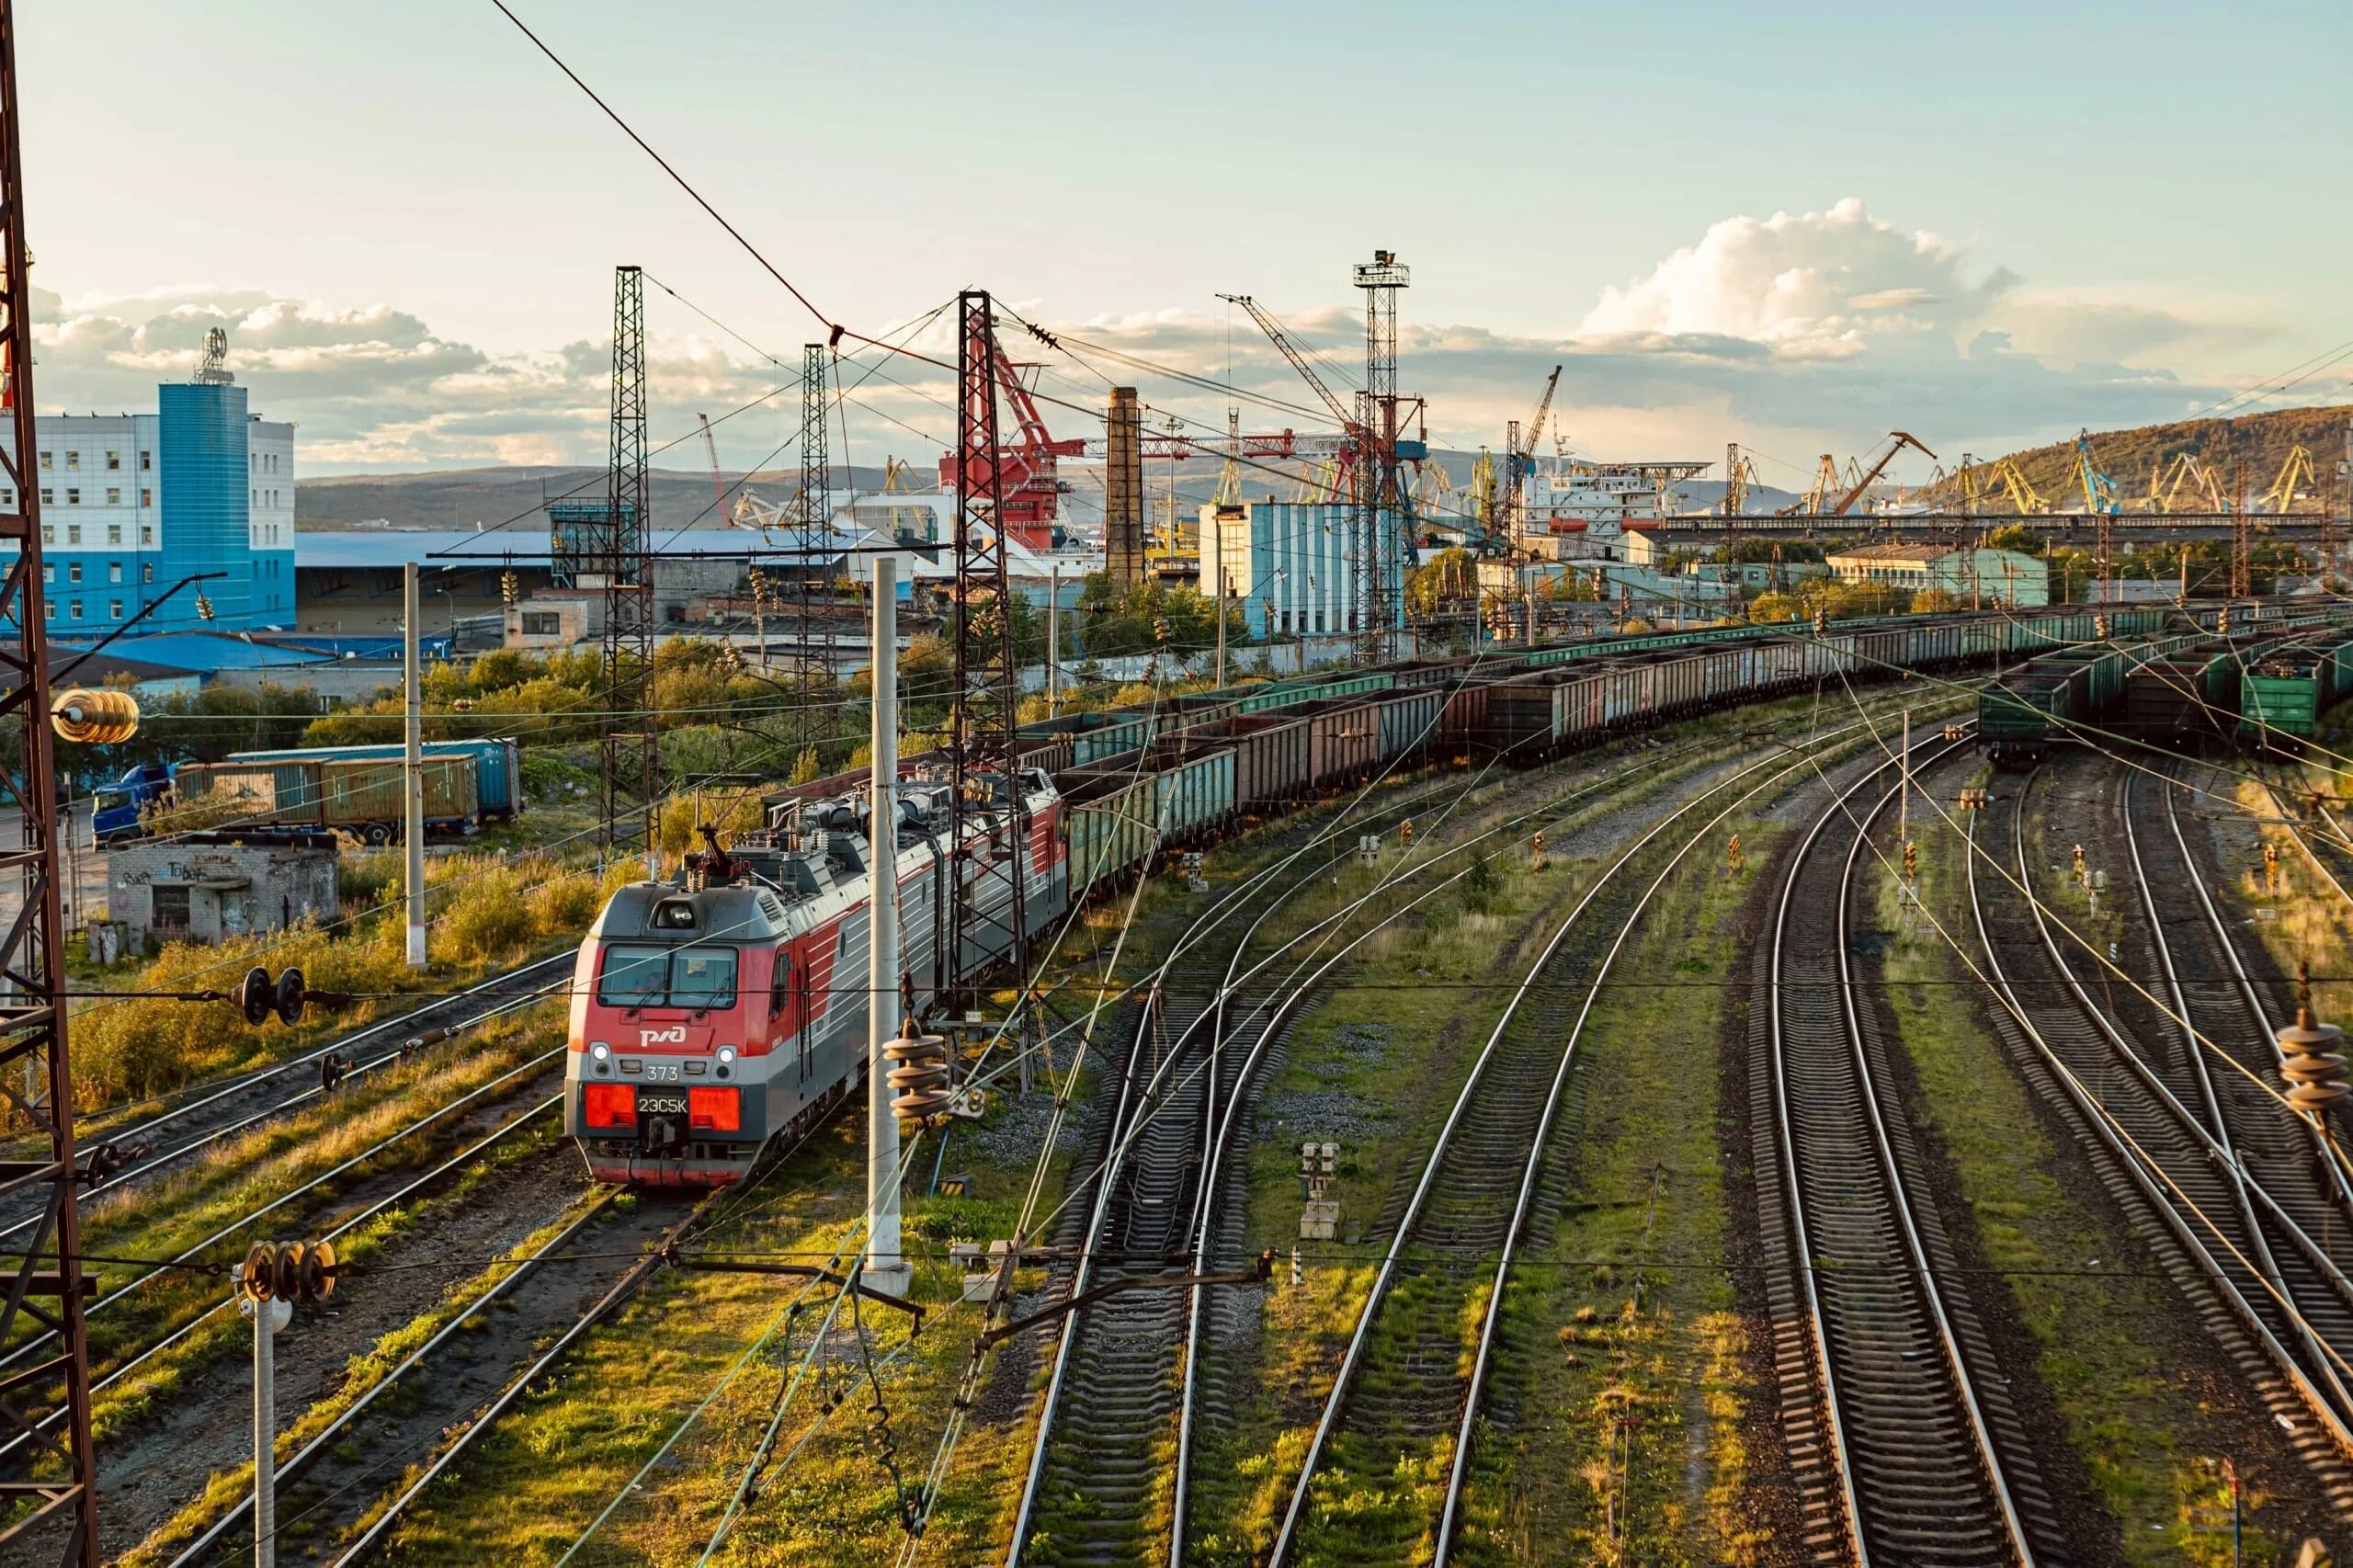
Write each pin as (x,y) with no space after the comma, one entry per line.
(119,810)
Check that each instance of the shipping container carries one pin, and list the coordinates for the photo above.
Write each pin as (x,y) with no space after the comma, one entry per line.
(498,770)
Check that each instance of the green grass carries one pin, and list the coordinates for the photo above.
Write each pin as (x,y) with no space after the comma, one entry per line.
(2132,1415)
(1622,1385)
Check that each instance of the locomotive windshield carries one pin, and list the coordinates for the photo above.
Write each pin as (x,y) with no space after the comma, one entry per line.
(693,978)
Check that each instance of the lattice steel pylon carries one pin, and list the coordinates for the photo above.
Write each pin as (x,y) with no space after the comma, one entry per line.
(812,524)
(59,1511)
(1380,498)
(988,820)
(630,755)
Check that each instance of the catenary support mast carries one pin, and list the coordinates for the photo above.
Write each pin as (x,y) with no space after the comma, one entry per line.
(55,1517)
(630,756)
(990,827)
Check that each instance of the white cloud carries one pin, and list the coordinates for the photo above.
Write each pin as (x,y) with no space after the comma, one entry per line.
(1812,331)
(1815,285)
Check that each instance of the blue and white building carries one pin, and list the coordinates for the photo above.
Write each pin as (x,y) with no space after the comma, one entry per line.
(133,502)
(1292,565)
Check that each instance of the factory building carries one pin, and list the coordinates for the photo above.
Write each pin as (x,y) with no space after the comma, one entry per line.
(1987,576)
(1292,565)
(133,502)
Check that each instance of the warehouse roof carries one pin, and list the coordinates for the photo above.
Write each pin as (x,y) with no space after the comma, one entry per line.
(204,651)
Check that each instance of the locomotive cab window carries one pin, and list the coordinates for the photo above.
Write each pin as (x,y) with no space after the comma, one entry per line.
(702,978)
(634,977)
(694,979)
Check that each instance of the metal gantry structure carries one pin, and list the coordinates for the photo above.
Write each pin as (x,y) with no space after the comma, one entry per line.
(1380,495)
(987,885)
(812,524)
(630,754)
(52,1503)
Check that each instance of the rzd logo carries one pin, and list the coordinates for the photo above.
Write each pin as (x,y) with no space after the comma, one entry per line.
(675,1036)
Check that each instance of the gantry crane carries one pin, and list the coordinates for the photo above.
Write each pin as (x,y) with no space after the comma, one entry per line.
(1740,473)
(2295,473)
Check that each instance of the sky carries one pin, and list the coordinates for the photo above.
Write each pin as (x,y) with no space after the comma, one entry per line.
(1795,226)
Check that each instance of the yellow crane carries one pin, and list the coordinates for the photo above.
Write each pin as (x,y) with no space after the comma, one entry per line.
(2296,473)
(1484,492)
(2001,477)
(1817,494)
(2165,485)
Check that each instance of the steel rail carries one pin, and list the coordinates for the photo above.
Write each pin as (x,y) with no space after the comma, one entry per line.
(2221,1146)
(1215,1129)
(2159,1188)
(419,1184)
(1125,1130)
(189,1254)
(1359,1338)
(1898,1199)
(711,1207)
(150,1164)
(400,1023)
(2256,1013)
(294,1463)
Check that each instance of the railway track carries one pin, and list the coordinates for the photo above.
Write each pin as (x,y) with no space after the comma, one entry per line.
(1122,1370)
(2133,1092)
(1124,1359)
(220,1111)
(20,1358)
(1402,1392)
(1894,1406)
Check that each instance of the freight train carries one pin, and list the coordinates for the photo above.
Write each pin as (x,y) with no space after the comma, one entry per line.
(714,1012)
(2185,690)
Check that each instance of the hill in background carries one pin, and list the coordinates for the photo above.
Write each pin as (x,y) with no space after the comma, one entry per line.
(2256,447)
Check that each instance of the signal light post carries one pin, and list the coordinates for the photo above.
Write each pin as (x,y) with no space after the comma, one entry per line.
(270,1280)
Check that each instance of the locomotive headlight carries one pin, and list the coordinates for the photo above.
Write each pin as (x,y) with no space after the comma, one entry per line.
(600,1049)
(726,1055)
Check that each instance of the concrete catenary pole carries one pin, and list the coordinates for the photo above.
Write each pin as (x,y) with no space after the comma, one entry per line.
(268,1318)
(1053,640)
(413,771)
(882,932)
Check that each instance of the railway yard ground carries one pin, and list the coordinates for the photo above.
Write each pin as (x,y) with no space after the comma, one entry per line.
(1563,1309)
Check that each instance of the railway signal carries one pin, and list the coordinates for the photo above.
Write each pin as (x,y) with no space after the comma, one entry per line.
(273,1276)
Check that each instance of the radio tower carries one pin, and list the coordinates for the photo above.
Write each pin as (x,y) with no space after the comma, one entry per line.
(1380,501)
(43,1281)
(987,901)
(630,758)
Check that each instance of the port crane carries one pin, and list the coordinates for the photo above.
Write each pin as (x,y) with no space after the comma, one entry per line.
(2100,491)
(1519,461)
(1027,469)
(1825,478)
(2167,483)
(1356,442)
(2297,471)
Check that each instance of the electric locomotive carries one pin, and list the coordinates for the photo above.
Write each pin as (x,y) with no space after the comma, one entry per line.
(728,1007)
